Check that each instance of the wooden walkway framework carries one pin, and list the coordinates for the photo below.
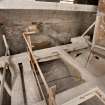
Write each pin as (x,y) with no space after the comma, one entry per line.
(24,73)
(26,88)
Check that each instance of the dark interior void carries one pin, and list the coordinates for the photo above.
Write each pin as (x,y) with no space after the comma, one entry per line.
(91,2)
(93,101)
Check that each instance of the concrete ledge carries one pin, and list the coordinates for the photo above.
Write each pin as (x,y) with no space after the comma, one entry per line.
(31,4)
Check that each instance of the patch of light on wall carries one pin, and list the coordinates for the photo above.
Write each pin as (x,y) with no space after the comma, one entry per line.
(67,1)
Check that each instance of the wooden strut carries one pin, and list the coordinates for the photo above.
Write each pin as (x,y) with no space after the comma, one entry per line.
(87,30)
(50,90)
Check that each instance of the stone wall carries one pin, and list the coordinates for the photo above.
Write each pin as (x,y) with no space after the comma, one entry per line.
(57,27)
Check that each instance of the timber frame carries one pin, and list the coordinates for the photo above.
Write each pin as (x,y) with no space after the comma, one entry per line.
(33,96)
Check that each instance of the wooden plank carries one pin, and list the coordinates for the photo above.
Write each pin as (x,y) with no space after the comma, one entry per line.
(17,93)
(32,92)
(31,4)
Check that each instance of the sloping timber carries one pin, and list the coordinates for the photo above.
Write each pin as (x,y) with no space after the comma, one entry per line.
(86,96)
(32,4)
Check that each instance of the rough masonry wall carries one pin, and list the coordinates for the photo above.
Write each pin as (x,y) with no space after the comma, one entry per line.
(57,27)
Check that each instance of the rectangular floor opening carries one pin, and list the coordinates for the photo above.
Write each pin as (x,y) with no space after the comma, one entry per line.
(57,73)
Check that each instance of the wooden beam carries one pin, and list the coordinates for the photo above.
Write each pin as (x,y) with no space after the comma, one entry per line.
(48,53)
